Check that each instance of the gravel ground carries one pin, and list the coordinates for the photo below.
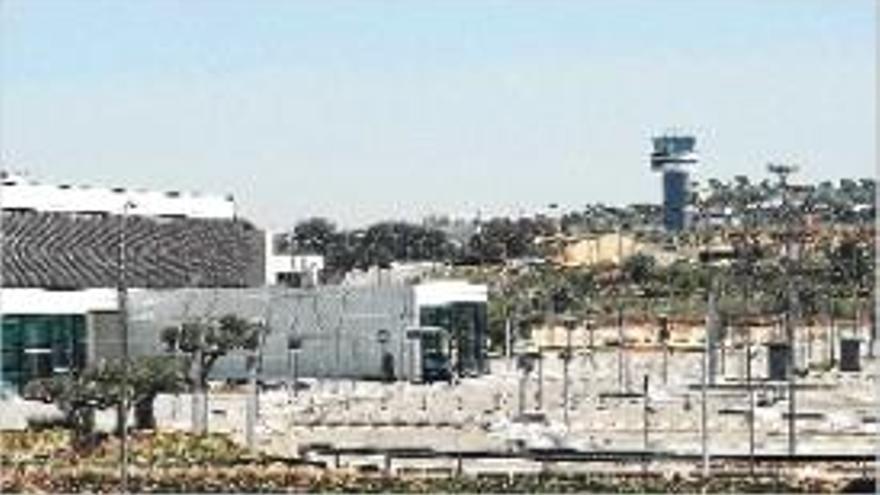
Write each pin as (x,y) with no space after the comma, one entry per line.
(483,413)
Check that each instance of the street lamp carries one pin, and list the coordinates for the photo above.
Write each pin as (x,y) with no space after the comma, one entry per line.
(122,296)
(591,335)
(646,411)
(782,171)
(664,341)
(622,365)
(569,323)
(251,410)
(3,177)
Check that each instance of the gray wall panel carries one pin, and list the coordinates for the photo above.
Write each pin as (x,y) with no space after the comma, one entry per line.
(338,326)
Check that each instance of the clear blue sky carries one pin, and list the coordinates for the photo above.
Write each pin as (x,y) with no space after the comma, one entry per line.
(360,110)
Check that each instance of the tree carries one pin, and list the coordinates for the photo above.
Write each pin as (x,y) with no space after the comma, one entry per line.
(79,395)
(639,269)
(502,238)
(314,236)
(852,263)
(203,342)
(148,377)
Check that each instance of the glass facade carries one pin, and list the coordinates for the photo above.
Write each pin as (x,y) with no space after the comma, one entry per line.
(466,324)
(37,346)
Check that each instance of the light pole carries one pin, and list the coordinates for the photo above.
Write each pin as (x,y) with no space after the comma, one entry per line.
(751,389)
(704,409)
(622,365)
(566,360)
(746,272)
(254,366)
(294,345)
(709,323)
(539,397)
(264,328)
(251,411)
(664,341)
(560,303)
(508,342)
(646,410)
(3,178)
(591,328)
(524,365)
(782,172)
(199,399)
(122,296)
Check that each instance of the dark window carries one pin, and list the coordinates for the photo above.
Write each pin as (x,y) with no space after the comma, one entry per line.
(37,346)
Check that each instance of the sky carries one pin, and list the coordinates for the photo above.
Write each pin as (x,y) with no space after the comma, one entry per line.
(364,110)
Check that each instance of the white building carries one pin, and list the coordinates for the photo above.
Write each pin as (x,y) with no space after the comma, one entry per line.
(19,193)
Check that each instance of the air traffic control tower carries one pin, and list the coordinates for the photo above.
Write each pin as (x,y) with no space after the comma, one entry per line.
(673,155)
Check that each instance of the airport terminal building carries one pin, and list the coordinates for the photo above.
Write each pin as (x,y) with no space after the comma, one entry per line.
(187,255)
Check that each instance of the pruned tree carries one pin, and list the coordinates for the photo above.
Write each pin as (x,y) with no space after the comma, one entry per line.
(148,376)
(79,395)
(202,342)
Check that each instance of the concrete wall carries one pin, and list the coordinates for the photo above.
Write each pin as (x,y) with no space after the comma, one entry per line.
(338,326)
(104,335)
